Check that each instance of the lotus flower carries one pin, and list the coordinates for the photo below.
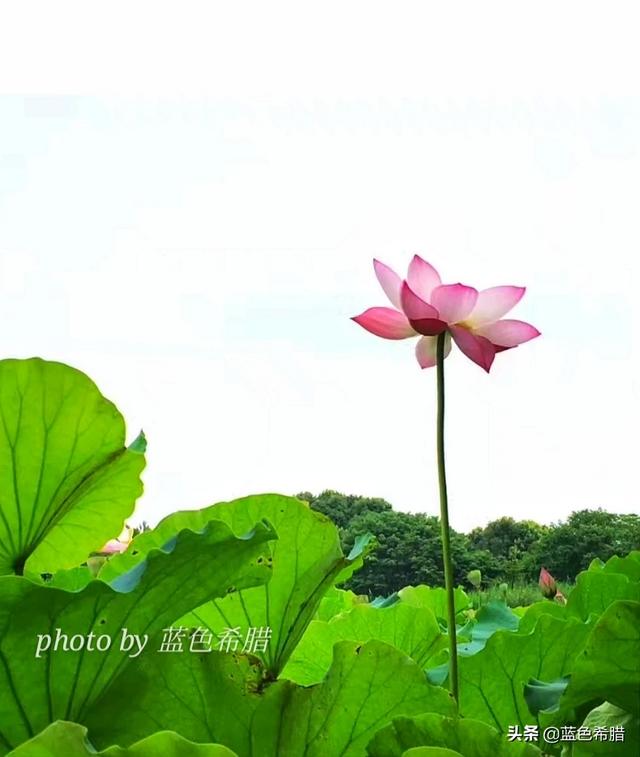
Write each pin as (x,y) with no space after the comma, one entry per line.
(114,546)
(435,312)
(425,307)
(547,584)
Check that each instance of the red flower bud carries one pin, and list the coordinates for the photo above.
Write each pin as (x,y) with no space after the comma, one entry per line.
(547,584)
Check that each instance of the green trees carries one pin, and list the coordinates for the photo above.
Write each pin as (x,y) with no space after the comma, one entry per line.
(509,542)
(343,508)
(409,548)
(409,544)
(567,548)
(408,551)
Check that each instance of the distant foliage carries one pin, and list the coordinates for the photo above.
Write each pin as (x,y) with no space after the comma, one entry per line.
(509,542)
(343,508)
(504,551)
(567,548)
(409,546)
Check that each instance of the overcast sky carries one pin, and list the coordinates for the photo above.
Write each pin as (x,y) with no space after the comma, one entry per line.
(190,200)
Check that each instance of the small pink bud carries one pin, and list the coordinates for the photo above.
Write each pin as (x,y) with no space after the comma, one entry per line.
(560,598)
(114,546)
(547,584)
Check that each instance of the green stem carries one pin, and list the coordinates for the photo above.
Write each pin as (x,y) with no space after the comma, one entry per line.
(444,521)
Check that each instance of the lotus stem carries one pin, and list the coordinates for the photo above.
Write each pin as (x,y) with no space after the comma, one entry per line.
(444,522)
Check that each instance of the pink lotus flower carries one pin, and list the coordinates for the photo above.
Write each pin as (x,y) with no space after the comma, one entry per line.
(547,584)
(114,546)
(425,307)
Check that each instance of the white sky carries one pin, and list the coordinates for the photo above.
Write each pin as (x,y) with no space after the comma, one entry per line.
(191,195)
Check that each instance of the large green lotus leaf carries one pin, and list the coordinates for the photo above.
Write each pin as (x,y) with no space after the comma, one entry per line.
(628,566)
(544,695)
(206,697)
(533,612)
(64,685)
(365,688)
(336,601)
(435,599)
(219,697)
(608,668)
(67,481)
(492,681)
(73,579)
(596,590)
(492,617)
(470,738)
(383,601)
(473,636)
(307,560)
(64,739)
(413,630)
(607,716)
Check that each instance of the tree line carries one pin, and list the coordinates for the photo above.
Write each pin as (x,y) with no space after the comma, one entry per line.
(505,550)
